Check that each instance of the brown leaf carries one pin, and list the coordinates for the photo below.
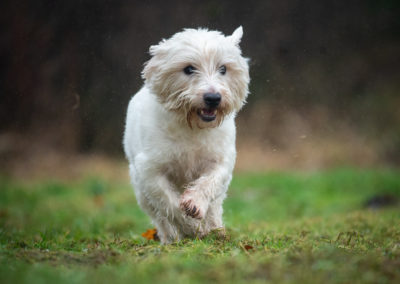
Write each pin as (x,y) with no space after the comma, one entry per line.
(151,234)
(248,247)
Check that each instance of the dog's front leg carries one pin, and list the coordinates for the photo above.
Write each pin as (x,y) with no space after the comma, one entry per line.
(160,201)
(211,186)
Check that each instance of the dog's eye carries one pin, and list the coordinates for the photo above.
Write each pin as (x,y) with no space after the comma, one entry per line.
(222,69)
(189,70)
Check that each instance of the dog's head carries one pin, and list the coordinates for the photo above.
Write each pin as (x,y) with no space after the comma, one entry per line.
(199,74)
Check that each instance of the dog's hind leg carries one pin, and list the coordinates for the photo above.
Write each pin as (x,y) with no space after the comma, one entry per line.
(213,219)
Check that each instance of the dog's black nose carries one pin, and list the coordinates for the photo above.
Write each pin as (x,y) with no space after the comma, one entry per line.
(212,99)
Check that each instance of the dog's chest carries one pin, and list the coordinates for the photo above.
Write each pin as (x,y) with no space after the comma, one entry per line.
(187,165)
(187,154)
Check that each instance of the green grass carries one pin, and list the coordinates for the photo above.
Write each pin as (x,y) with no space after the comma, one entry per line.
(281,228)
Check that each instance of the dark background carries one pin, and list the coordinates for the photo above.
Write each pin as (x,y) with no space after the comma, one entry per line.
(326,71)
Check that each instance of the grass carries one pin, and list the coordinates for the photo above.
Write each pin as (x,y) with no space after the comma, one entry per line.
(281,228)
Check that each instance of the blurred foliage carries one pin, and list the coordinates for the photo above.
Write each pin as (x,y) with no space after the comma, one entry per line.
(69,68)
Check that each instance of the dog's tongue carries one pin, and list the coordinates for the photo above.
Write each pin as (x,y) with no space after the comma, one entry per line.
(209,112)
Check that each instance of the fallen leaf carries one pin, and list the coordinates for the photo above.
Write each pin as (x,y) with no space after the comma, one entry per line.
(248,247)
(151,234)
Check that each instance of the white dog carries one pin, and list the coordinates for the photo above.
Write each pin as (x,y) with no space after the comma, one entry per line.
(180,131)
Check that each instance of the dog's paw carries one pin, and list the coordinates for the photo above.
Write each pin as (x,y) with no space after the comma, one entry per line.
(191,205)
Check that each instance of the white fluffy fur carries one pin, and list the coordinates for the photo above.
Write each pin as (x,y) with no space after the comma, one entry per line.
(180,165)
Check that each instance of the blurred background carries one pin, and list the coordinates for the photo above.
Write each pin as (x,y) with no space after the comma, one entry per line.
(325,80)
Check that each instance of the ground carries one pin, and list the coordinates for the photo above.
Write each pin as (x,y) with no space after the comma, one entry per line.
(333,226)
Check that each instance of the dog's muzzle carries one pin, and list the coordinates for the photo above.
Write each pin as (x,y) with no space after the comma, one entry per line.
(212,101)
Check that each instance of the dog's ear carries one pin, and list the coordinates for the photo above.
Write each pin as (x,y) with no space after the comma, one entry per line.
(147,70)
(151,65)
(154,49)
(237,35)
(156,52)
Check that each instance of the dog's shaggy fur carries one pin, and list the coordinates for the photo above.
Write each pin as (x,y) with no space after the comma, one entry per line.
(180,131)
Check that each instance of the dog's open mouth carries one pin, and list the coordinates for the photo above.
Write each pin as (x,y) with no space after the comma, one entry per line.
(207,114)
